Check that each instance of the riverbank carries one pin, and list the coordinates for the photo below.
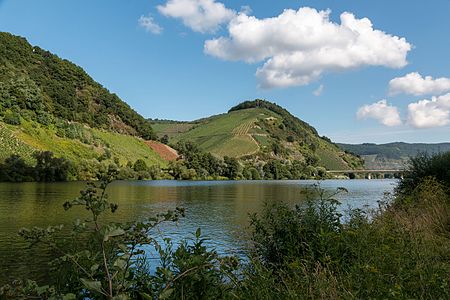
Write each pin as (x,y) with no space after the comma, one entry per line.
(312,250)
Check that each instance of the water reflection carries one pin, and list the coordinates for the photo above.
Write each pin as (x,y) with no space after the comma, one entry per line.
(220,209)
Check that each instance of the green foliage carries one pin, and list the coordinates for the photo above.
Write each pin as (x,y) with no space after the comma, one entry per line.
(398,252)
(232,169)
(423,166)
(193,272)
(291,122)
(105,261)
(165,139)
(258,132)
(47,168)
(41,83)
(307,233)
(15,169)
(310,251)
(76,143)
(140,166)
(12,118)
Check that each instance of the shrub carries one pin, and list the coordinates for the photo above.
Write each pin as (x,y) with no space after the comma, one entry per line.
(140,166)
(12,118)
(105,261)
(307,232)
(422,166)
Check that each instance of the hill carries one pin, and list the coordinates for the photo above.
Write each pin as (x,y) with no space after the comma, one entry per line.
(45,88)
(392,155)
(50,104)
(259,130)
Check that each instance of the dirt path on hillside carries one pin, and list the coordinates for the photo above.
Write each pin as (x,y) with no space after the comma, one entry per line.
(166,152)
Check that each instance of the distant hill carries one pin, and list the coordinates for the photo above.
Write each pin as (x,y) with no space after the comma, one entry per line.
(259,130)
(50,104)
(392,155)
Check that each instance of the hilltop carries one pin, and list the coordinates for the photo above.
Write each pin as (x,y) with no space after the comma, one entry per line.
(259,130)
(50,104)
(392,155)
(46,87)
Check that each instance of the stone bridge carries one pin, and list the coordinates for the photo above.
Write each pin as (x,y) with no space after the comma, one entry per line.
(369,174)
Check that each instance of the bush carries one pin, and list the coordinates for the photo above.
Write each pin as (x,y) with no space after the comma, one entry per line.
(12,118)
(105,261)
(140,166)
(308,232)
(423,166)
(398,252)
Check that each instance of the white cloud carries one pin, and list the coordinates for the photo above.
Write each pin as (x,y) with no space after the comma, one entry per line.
(149,24)
(381,111)
(415,84)
(199,15)
(430,113)
(297,47)
(245,9)
(318,91)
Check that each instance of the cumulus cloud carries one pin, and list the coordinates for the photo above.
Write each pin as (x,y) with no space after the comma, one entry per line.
(381,111)
(430,113)
(199,15)
(297,47)
(415,84)
(149,24)
(317,92)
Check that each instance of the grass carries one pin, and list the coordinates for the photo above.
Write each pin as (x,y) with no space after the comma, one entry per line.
(262,140)
(129,148)
(399,251)
(10,144)
(238,134)
(238,146)
(330,159)
(171,129)
(29,137)
(227,134)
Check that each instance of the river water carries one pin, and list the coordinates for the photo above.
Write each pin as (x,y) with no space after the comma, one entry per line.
(219,208)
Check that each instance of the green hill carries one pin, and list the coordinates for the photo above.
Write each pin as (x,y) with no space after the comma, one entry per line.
(50,104)
(392,155)
(44,87)
(259,130)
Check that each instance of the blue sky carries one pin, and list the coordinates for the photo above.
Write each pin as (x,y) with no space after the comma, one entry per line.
(187,59)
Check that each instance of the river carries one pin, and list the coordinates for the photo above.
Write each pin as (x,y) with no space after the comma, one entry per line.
(219,208)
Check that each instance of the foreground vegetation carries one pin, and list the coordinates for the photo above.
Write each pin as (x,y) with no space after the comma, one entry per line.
(399,251)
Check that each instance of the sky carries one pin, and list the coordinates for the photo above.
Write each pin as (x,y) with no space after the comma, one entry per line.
(358,71)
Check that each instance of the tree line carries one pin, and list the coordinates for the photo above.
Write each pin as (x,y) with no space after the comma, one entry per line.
(193,165)
(197,164)
(310,251)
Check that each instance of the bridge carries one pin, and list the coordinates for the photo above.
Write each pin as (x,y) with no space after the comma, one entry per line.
(368,173)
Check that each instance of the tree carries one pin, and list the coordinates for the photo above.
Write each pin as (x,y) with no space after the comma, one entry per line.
(423,166)
(165,139)
(140,165)
(232,167)
(49,168)
(15,169)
